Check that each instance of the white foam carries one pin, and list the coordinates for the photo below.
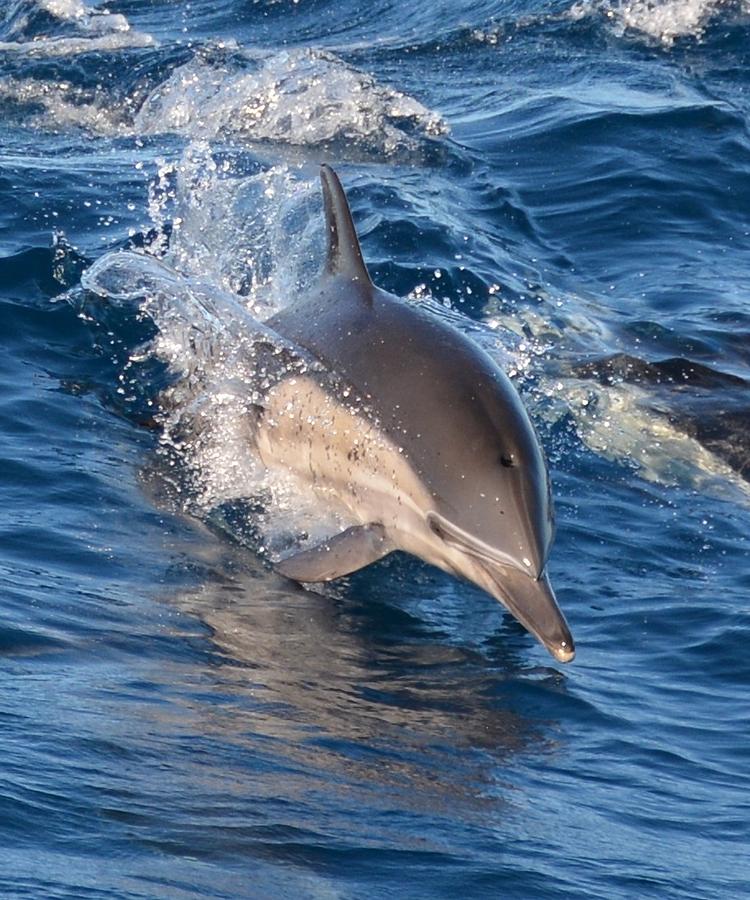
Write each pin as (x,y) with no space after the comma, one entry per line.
(66,105)
(621,421)
(664,21)
(298,97)
(73,46)
(69,28)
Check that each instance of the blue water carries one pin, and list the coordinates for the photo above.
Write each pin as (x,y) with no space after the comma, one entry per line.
(570,184)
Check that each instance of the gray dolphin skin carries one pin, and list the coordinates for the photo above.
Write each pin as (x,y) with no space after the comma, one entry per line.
(424,440)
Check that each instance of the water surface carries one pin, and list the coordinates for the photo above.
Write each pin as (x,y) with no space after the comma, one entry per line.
(569,184)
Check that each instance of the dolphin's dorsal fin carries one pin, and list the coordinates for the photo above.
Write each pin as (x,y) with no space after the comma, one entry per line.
(344,255)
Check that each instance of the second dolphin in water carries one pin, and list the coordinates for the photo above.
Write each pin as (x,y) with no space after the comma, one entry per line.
(418,432)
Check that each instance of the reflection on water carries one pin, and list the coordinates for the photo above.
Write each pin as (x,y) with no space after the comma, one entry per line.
(334,699)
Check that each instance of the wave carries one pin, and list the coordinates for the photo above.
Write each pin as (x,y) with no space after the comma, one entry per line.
(300,99)
(50,28)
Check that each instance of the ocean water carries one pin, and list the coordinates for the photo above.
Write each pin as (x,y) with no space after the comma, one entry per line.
(569,183)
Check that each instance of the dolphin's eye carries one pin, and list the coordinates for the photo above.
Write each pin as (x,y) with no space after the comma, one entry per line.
(506,460)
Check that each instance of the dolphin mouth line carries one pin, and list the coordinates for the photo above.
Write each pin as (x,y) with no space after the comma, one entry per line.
(526,594)
(456,537)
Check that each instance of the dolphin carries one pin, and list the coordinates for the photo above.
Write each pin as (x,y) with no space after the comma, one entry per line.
(417,432)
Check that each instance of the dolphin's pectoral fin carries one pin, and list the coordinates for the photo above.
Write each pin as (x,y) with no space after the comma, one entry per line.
(344,256)
(353,549)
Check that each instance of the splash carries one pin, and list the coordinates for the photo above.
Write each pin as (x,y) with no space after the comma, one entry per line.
(664,21)
(65,28)
(304,98)
(621,420)
(207,295)
(256,236)
(222,362)
(304,101)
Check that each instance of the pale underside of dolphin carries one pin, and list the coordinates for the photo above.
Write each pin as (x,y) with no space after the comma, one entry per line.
(417,432)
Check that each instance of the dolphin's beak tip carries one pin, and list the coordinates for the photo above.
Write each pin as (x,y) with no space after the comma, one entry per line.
(563,652)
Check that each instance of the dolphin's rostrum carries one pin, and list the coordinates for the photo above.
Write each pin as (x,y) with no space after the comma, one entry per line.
(425,440)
